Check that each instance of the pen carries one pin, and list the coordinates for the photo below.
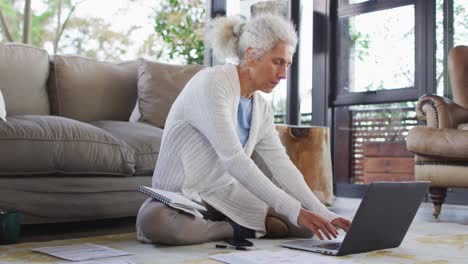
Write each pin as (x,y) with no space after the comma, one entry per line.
(236,247)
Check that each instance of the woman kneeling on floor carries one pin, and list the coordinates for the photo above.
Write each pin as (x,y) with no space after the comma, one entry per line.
(214,128)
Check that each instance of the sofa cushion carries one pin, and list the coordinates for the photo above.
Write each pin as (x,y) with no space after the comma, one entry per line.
(51,144)
(158,86)
(89,90)
(24,71)
(143,138)
(49,199)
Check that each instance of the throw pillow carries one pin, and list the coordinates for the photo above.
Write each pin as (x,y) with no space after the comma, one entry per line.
(24,70)
(88,90)
(41,145)
(2,107)
(144,139)
(158,86)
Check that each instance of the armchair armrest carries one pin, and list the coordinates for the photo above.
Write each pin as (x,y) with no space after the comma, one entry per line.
(440,112)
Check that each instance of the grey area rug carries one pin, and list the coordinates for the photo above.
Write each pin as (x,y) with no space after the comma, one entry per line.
(428,241)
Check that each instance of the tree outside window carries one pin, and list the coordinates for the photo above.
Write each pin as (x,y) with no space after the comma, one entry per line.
(163,30)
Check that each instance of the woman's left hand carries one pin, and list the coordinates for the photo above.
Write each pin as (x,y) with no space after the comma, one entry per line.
(342,223)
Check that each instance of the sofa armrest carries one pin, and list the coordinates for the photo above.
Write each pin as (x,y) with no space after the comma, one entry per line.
(440,112)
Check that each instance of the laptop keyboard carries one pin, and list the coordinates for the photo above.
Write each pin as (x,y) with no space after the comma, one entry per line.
(330,245)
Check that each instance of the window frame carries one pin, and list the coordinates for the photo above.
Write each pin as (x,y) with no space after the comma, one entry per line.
(422,85)
(327,110)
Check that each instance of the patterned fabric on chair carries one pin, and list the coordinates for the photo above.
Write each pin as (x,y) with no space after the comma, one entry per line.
(441,147)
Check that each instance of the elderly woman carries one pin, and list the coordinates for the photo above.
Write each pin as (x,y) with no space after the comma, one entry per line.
(214,127)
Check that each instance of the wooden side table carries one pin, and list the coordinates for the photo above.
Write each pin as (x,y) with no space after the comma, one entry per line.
(309,149)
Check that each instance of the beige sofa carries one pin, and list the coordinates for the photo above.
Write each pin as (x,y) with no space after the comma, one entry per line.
(81,135)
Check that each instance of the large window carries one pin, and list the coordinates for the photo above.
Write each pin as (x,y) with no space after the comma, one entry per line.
(247,9)
(167,31)
(278,98)
(377,50)
(305,62)
(451,30)
(378,58)
(370,142)
(378,64)
(376,55)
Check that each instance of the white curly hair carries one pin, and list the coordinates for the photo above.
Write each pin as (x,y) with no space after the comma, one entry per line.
(229,37)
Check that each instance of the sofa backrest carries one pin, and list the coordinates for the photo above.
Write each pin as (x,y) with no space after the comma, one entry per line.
(89,90)
(24,71)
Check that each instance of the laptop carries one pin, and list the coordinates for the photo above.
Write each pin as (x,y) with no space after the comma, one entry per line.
(381,221)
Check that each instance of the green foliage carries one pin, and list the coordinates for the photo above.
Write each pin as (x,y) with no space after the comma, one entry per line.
(179,23)
(178,30)
(94,38)
(361,43)
(91,37)
(40,22)
(11,17)
(39,33)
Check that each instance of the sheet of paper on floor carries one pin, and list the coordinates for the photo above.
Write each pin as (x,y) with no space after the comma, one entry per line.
(280,256)
(81,252)
(113,261)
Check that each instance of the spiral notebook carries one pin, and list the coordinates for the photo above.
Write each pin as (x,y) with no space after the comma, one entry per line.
(174,200)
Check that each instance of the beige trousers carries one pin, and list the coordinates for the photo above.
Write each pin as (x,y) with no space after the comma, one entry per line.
(168,226)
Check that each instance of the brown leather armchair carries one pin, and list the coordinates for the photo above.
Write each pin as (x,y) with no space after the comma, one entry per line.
(441,147)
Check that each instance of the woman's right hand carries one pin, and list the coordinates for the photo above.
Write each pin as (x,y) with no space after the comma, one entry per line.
(316,224)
